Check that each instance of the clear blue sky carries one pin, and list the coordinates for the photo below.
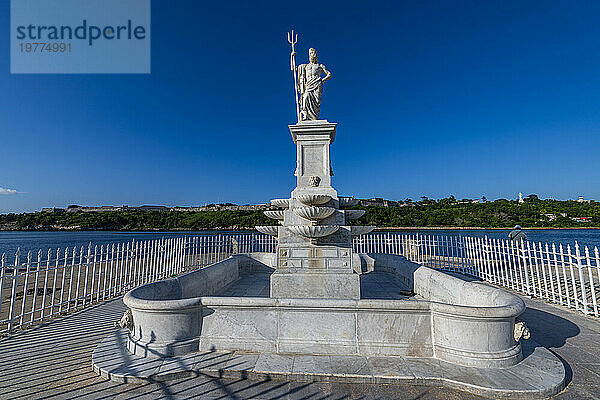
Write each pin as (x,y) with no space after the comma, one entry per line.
(431,98)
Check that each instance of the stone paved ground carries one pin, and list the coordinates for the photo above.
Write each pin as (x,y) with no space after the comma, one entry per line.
(53,361)
(374,285)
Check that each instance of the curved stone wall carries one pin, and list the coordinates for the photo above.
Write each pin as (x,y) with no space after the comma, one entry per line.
(467,323)
(472,322)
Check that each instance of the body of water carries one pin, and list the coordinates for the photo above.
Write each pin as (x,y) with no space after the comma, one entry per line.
(585,237)
(34,241)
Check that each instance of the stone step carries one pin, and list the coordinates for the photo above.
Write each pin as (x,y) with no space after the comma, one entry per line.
(539,375)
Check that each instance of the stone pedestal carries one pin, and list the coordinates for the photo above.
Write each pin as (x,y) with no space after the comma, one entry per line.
(312,140)
(309,266)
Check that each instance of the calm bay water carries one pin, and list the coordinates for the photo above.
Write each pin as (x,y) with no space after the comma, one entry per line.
(585,237)
(34,241)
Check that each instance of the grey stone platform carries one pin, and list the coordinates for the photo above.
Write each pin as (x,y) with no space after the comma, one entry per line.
(539,375)
(373,285)
(53,361)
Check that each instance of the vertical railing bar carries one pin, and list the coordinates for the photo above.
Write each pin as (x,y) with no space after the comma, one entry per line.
(564,268)
(549,266)
(35,286)
(54,278)
(25,283)
(101,266)
(592,289)
(111,286)
(105,282)
(573,284)
(13,293)
(529,272)
(557,272)
(506,263)
(597,265)
(2,278)
(62,281)
(77,289)
(121,268)
(87,274)
(73,262)
(44,294)
(581,279)
(541,252)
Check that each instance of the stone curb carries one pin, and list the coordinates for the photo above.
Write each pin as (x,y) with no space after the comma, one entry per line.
(539,375)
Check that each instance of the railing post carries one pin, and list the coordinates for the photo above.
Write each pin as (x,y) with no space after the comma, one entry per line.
(121,268)
(557,271)
(35,286)
(597,266)
(548,264)
(87,273)
(45,293)
(13,294)
(581,279)
(573,283)
(78,286)
(71,277)
(102,272)
(593,290)
(127,270)
(2,277)
(54,279)
(62,281)
(528,271)
(485,253)
(25,284)
(537,268)
(503,255)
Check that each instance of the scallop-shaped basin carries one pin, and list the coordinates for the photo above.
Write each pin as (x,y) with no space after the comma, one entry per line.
(314,213)
(276,214)
(360,230)
(313,199)
(354,214)
(348,201)
(313,231)
(268,230)
(281,203)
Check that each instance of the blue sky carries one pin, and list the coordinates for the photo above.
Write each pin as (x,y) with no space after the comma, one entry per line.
(431,98)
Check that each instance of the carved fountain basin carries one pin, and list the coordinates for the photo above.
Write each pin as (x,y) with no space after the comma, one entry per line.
(274,214)
(313,199)
(466,323)
(312,232)
(281,203)
(314,213)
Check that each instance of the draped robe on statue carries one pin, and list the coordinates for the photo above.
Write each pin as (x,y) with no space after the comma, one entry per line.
(310,90)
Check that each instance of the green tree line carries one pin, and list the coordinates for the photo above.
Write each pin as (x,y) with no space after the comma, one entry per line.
(426,213)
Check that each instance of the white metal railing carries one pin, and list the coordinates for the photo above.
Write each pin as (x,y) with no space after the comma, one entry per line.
(38,286)
(569,276)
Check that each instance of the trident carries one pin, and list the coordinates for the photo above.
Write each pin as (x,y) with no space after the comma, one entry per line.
(293,39)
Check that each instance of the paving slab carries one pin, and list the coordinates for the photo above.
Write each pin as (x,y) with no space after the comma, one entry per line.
(539,375)
(52,361)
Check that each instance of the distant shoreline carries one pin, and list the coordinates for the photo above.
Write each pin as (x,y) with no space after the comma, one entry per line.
(455,228)
(240,229)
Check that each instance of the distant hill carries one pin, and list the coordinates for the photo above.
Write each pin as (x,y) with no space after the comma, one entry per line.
(447,212)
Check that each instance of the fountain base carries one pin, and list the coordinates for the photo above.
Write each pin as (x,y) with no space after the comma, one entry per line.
(300,285)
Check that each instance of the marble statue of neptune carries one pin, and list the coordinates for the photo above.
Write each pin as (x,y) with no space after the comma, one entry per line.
(310,86)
